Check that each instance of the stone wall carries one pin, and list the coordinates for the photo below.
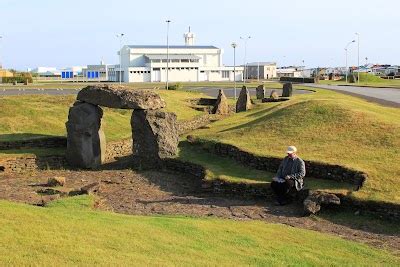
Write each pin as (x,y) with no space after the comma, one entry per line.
(118,149)
(196,123)
(262,190)
(314,169)
(47,142)
(31,163)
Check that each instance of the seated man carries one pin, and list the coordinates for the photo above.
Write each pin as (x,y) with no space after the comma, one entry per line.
(290,175)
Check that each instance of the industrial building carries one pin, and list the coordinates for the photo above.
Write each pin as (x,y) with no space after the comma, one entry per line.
(186,63)
(261,70)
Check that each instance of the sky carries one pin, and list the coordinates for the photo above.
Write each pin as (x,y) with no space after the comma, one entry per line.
(63,33)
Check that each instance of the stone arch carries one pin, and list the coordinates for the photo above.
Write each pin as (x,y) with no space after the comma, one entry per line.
(154,130)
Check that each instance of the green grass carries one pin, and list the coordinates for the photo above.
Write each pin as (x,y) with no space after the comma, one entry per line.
(33,116)
(228,170)
(69,232)
(367,79)
(325,126)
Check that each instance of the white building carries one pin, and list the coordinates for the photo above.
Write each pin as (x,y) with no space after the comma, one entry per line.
(261,70)
(187,63)
(289,72)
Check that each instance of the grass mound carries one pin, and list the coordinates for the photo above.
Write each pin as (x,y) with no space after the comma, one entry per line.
(326,127)
(69,232)
(33,116)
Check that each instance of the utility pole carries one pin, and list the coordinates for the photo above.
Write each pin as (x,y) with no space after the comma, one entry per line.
(346,49)
(168,22)
(120,56)
(245,56)
(358,56)
(234,45)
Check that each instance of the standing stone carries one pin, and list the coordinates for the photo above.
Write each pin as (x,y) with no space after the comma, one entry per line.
(85,139)
(274,95)
(287,90)
(155,136)
(260,92)
(243,103)
(221,106)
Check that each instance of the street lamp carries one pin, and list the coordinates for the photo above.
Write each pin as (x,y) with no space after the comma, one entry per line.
(168,22)
(234,45)
(245,56)
(345,49)
(120,56)
(1,37)
(358,57)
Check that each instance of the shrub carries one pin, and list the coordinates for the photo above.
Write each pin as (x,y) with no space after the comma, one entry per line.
(177,86)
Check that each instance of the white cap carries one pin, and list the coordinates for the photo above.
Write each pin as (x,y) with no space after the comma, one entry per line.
(291,150)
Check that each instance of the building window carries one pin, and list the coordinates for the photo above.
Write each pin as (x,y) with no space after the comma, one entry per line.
(175,60)
(184,60)
(225,74)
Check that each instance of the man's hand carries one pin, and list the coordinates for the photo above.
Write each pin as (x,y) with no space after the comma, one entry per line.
(287,177)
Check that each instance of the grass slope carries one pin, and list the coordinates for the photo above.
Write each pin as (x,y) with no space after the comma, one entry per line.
(325,126)
(229,170)
(68,232)
(367,79)
(32,116)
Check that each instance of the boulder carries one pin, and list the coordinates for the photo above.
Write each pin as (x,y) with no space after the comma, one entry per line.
(312,204)
(260,92)
(123,97)
(243,103)
(274,95)
(221,106)
(155,136)
(56,181)
(86,143)
(287,90)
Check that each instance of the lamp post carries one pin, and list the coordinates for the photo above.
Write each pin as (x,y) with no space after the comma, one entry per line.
(345,49)
(168,22)
(120,56)
(234,45)
(245,56)
(1,66)
(358,57)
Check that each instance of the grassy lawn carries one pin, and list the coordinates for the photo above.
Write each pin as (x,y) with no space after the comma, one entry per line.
(69,232)
(325,126)
(33,116)
(229,170)
(368,80)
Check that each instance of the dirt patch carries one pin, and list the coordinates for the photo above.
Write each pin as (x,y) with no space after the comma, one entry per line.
(152,192)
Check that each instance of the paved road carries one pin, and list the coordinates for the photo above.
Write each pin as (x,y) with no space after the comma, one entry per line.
(7,92)
(213,92)
(384,96)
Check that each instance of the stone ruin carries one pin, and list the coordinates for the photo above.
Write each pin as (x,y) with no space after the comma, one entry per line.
(154,130)
(260,92)
(244,102)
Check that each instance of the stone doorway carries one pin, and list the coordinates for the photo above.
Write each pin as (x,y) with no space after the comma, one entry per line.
(155,130)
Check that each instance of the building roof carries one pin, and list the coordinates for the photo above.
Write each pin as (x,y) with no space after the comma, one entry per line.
(261,63)
(173,46)
(172,56)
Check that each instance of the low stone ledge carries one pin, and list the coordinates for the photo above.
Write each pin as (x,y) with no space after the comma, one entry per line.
(314,169)
(196,123)
(32,163)
(45,142)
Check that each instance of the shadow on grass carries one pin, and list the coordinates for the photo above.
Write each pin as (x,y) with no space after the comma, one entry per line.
(262,116)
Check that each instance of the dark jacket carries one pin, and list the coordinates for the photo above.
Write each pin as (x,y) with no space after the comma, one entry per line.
(297,173)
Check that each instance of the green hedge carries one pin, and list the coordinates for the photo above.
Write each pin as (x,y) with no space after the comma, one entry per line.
(297,80)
